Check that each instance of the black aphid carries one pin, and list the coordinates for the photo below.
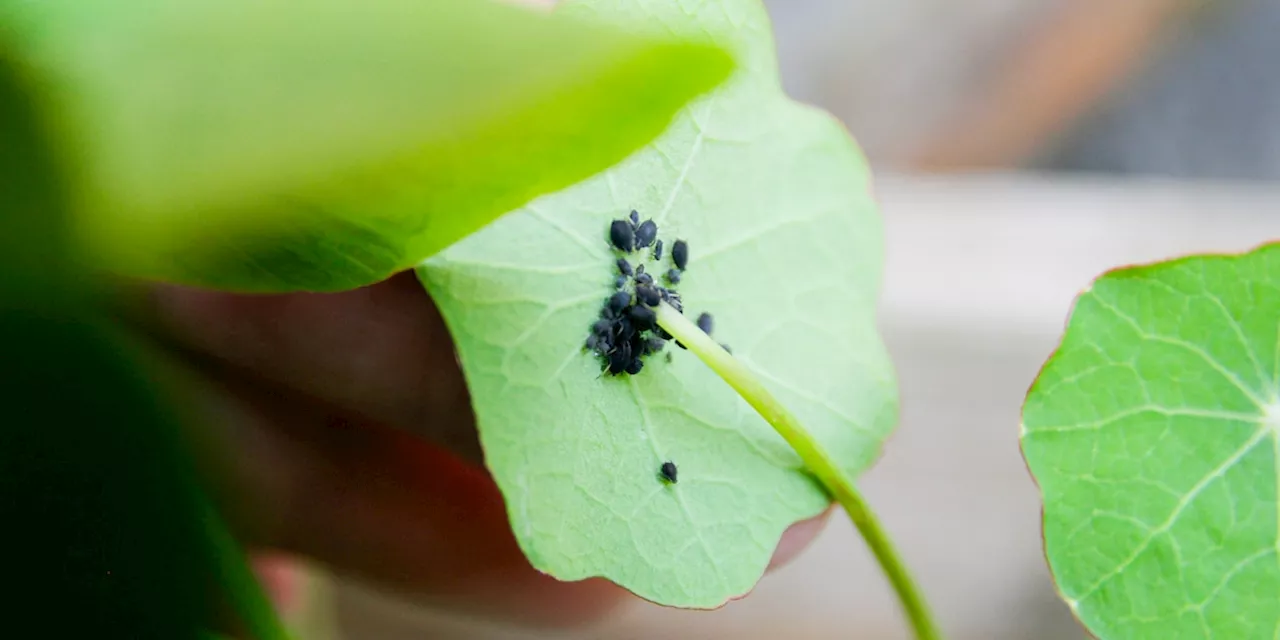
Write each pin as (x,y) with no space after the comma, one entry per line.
(704,323)
(654,345)
(657,250)
(622,235)
(644,278)
(673,276)
(593,341)
(619,301)
(634,366)
(624,267)
(619,358)
(640,270)
(680,254)
(646,234)
(602,326)
(635,217)
(648,295)
(726,347)
(668,471)
(642,318)
(668,357)
(619,282)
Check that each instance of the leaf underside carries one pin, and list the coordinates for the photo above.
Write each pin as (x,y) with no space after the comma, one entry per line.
(1152,433)
(219,144)
(785,243)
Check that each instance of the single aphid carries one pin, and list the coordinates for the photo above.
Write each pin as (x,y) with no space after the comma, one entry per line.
(704,322)
(593,342)
(625,330)
(648,295)
(634,366)
(644,278)
(619,282)
(625,267)
(619,358)
(640,269)
(668,357)
(673,276)
(635,217)
(642,317)
(657,250)
(646,233)
(680,254)
(653,345)
(668,471)
(622,235)
(619,301)
(602,325)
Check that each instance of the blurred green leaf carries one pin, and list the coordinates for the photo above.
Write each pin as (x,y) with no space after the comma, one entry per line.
(325,144)
(1154,434)
(774,200)
(105,527)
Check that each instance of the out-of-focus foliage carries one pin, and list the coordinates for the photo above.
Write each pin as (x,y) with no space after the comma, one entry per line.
(325,144)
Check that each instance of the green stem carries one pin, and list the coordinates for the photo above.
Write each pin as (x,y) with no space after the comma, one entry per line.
(814,457)
(240,584)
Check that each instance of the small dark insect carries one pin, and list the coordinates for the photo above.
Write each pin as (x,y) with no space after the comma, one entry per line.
(704,323)
(657,250)
(619,358)
(668,471)
(648,295)
(668,357)
(673,276)
(654,345)
(644,278)
(619,301)
(726,347)
(625,328)
(640,270)
(646,234)
(642,317)
(622,235)
(593,341)
(602,326)
(624,266)
(680,254)
(635,217)
(635,366)
(620,282)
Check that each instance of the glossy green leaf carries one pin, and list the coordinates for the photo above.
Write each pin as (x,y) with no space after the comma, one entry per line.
(324,144)
(785,243)
(1152,432)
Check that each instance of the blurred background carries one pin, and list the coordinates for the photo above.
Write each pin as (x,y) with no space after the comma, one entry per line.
(1022,148)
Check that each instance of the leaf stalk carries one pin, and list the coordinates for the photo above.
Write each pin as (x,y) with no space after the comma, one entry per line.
(815,458)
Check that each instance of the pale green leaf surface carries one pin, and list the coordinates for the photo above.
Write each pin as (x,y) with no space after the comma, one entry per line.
(1152,433)
(325,144)
(786,251)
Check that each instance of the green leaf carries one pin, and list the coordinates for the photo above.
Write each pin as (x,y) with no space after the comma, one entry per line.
(108,521)
(1152,432)
(785,243)
(326,144)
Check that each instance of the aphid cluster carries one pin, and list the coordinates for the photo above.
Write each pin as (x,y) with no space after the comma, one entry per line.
(627,330)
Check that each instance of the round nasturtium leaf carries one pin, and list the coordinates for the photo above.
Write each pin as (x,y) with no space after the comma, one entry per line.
(1152,432)
(773,199)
